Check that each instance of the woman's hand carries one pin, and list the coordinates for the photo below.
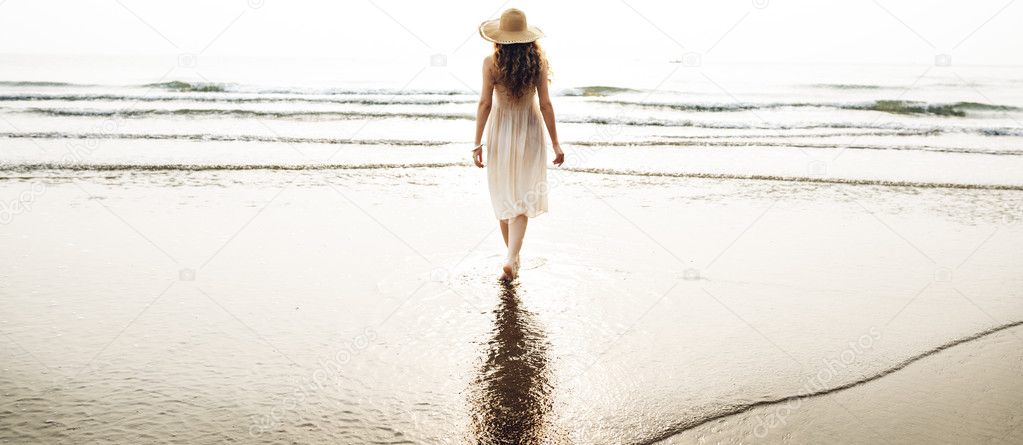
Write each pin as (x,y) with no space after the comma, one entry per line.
(559,156)
(477,157)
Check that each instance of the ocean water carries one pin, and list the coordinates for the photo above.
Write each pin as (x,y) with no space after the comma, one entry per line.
(916,125)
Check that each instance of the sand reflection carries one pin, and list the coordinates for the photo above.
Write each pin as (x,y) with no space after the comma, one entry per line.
(511,397)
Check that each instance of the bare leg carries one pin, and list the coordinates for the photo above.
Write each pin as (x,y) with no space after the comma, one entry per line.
(504,231)
(516,233)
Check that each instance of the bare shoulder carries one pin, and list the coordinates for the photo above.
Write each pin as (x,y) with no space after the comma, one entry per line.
(488,67)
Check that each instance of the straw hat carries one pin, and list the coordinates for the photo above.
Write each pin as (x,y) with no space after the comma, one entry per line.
(510,28)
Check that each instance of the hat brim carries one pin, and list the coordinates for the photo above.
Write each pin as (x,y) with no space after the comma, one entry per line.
(490,30)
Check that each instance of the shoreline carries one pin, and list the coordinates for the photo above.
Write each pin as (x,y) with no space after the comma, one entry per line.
(938,375)
(758,409)
(44,167)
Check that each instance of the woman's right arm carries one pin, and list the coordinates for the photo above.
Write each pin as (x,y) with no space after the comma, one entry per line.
(547,110)
(483,110)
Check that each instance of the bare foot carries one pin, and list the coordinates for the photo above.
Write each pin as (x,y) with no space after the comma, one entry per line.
(511,270)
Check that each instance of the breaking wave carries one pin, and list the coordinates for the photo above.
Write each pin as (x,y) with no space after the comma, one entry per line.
(956,109)
(177,85)
(692,142)
(357,99)
(597,120)
(225,138)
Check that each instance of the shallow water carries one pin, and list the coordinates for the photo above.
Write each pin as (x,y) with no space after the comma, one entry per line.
(345,306)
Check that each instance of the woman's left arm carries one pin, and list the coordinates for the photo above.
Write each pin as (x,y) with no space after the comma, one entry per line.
(483,110)
(547,110)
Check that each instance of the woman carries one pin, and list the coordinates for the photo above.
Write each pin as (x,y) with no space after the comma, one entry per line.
(516,148)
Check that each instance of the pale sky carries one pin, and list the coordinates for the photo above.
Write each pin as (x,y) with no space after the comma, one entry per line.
(853,31)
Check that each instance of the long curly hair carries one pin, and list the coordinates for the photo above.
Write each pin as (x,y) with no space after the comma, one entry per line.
(520,66)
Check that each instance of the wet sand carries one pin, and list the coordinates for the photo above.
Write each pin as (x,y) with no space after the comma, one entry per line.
(968,393)
(361,306)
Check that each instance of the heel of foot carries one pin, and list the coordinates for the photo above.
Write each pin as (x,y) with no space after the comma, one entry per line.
(509,272)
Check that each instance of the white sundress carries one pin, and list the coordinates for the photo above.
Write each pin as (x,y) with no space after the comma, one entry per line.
(516,156)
